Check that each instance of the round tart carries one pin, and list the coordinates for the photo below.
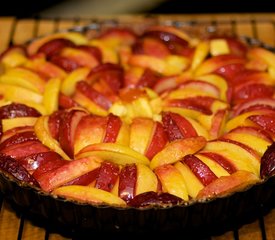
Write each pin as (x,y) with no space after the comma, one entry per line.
(137,120)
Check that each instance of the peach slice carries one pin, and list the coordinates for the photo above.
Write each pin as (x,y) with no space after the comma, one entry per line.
(23,78)
(41,129)
(241,157)
(216,168)
(114,152)
(255,142)
(14,59)
(219,82)
(88,194)
(219,47)
(176,150)
(19,94)
(90,130)
(193,184)
(75,37)
(172,181)
(17,122)
(140,133)
(69,83)
(225,185)
(51,95)
(261,53)
(66,173)
(243,119)
(216,62)
(201,52)
(146,179)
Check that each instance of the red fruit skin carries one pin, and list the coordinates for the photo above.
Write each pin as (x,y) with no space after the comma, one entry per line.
(230,71)
(201,170)
(54,47)
(84,180)
(11,166)
(113,126)
(177,127)
(49,166)
(267,168)
(200,103)
(249,92)
(14,48)
(107,176)
(18,138)
(110,73)
(34,161)
(127,182)
(54,123)
(15,110)
(24,149)
(158,141)
(148,79)
(266,122)
(68,125)
(93,51)
(65,63)
(221,160)
(66,102)
(153,198)
(97,97)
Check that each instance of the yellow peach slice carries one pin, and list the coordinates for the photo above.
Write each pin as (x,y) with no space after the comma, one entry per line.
(88,194)
(146,179)
(113,152)
(175,64)
(242,119)
(258,144)
(218,81)
(77,38)
(226,185)
(239,156)
(19,94)
(218,47)
(172,181)
(176,150)
(108,53)
(261,53)
(41,130)
(193,184)
(51,95)
(68,84)
(17,122)
(216,168)
(201,52)
(140,134)
(123,135)
(190,92)
(23,78)
(86,103)
(183,111)
(14,59)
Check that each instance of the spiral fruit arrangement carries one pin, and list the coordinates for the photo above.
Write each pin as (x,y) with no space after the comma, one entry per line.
(157,118)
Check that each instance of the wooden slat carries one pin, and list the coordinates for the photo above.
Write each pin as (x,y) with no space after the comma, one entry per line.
(25,30)
(244,28)
(6,25)
(55,236)
(32,232)
(65,24)
(45,27)
(226,236)
(9,223)
(270,225)
(250,231)
(266,32)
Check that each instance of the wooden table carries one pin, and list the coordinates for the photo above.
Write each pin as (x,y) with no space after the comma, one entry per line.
(15,31)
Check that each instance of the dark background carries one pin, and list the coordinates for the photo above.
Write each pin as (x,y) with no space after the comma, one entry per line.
(31,8)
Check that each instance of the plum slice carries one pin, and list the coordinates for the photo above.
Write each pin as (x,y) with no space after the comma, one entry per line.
(152,198)
(15,169)
(14,110)
(268,162)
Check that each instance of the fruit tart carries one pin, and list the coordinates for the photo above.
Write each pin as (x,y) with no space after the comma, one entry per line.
(158,118)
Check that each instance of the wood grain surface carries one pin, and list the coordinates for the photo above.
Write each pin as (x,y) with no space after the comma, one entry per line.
(14,31)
